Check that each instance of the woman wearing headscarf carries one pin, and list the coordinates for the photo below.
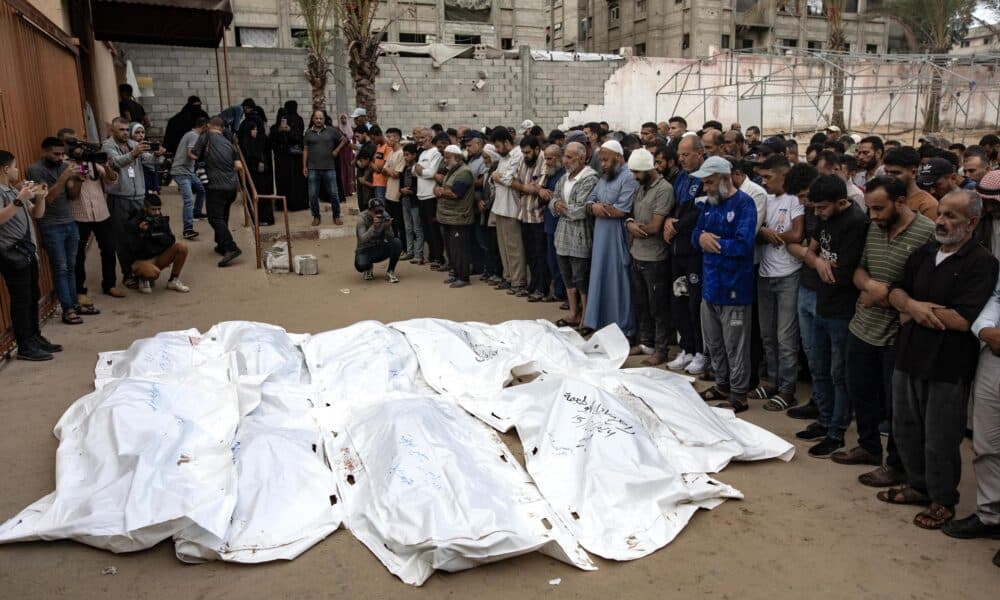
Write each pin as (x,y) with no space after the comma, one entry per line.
(253,144)
(149,160)
(285,141)
(345,162)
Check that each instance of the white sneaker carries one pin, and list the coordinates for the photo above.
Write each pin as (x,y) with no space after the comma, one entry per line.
(145,287)
(683,359)
(178,286)
(698,365)
(390,276)
(368,275)
(647,350)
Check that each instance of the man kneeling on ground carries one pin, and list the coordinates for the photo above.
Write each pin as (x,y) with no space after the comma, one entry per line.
(376,242)
(154,247)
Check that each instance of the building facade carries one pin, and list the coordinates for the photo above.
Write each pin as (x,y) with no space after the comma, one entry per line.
(979,40)
(500,23)
(697,28)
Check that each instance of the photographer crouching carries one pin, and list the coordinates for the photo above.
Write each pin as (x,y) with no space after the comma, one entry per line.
(376,242)
(153,247)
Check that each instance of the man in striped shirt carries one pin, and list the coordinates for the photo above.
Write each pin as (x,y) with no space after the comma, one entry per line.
(896,233)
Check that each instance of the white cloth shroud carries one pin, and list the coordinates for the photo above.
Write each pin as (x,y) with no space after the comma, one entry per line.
(239,444)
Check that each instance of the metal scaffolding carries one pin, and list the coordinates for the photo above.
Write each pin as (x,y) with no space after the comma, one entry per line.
(806,78)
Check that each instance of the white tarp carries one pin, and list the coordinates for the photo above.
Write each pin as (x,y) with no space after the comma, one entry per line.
(427,487)
(249,444)
(600,469)
(138,461)
(286,499)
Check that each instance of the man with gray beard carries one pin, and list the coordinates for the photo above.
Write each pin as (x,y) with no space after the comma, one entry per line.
(945,286)
(725,232)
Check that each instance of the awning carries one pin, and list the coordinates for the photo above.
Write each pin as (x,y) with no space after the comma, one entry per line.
(199,23)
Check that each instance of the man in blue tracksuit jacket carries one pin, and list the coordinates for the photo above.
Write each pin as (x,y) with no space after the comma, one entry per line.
(725,233)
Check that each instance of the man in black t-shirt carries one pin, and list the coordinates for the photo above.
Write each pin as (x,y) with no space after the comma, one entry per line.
(834,254)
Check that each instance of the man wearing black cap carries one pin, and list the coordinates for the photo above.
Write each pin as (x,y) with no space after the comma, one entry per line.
(153,247)
(376,242)
(938,177)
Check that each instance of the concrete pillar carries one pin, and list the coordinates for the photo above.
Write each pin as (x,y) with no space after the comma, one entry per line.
(527,104)
(440,22)
(393,17)
(284,26)
(497,24)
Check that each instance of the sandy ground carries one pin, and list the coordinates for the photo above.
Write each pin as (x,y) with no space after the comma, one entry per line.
(806,527)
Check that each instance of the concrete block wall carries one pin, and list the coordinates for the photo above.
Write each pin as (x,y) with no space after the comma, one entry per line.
(271,76)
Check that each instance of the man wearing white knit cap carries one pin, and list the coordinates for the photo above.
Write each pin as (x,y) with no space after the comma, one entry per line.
(455,214)
(651,285)
(610,295)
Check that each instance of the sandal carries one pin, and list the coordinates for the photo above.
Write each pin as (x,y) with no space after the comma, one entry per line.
(714,393)
(736,405)
(71,318)
(565,323)
(903,495)
(934,516)
(87,309)
(762,393)
(778,403)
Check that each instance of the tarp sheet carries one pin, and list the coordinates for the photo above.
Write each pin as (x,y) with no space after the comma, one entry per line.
(250,444)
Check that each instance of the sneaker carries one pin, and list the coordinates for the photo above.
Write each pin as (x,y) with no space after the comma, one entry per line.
(826,447)
(230,256)
(856,456)
(368,275)
(697,365)
(145,287)
(681,361)
(416,261)
(32,352)
(503,285)
(132,283)
(200,216)
(178,286)
(806,412)
(450,280)
(407,256)
(459,283)
(814,431)
(390,276)
(45,344)
(190,234)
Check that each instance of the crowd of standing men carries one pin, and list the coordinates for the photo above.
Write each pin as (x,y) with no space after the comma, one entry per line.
(868,264)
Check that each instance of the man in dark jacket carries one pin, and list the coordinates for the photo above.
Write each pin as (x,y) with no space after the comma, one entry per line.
(376,242)
(154,247)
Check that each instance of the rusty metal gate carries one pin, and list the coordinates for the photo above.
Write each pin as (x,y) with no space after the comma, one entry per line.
(39,94)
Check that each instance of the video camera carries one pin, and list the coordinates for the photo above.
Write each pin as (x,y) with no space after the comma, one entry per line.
(86,152)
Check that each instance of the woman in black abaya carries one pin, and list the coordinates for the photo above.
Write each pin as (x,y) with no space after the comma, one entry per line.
(285,141)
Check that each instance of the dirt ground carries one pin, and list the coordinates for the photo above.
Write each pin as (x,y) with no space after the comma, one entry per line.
(805,528)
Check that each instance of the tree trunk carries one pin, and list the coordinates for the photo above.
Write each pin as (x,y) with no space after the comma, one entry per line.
(838,96)
(932,113)
(363,63)
(837,41)
(317,70)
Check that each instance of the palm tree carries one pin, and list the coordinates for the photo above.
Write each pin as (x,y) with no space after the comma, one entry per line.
(836,42)
(363,51)
(316,14)
(931,26)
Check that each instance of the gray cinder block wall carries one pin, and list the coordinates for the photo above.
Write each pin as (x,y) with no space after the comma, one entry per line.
(272,76)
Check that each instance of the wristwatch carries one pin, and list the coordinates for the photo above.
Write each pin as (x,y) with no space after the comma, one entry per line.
(18,202)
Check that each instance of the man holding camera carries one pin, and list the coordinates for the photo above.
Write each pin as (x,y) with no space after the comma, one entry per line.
(90,210)
(154,247)
(57,228)
(126,194)
(376,242)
